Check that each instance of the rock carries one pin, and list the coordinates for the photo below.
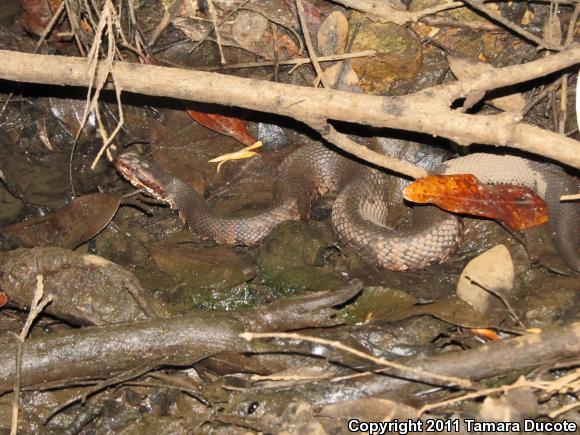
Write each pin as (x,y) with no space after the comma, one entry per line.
(292,259)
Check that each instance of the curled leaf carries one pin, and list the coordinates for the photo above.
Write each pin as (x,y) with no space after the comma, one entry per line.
(515,206)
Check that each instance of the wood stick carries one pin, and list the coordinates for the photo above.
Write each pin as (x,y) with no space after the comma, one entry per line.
(104,351)
(428,111)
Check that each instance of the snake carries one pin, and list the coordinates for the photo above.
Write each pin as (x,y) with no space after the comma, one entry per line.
(360,210)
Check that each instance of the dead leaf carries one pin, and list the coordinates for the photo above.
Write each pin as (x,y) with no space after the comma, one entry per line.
(37,14)
(3,299)
(486,333)
(228,125)
(252,32)
(342,76)
(498,409)
(515,206)
(379,303)
(249,28)
(528,17)
(80,220)
(466,68)
(451,310)
(486,276)
(332,34)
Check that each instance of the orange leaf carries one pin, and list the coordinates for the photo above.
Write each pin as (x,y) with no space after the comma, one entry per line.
(488,334)
(3,299)
(517,207)
(227,125)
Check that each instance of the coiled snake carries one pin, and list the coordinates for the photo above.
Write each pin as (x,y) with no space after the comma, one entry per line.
(361,207)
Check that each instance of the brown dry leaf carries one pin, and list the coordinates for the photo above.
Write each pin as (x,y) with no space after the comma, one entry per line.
(378,303)
(515,206)
(37,14)
(342,76)
(498,409)
(333,34)
(486,276)
(228,125)
(251,31)
(514,405)
(465,68)
(528,17)
(80,220)
(553,29)
(248,29)
(451,310)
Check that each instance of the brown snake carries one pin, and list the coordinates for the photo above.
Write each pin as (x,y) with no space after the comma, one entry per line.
(361,207)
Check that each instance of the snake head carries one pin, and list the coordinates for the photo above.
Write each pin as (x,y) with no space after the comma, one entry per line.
(144,175)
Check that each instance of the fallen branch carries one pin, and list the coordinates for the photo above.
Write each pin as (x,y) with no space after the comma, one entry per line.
(514,355)
(428,111)
(68,356)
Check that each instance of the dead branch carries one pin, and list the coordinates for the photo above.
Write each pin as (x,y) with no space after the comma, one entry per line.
(514,355)
(71,355)
(428,111)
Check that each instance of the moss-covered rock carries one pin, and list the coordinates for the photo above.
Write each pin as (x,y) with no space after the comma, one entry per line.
(292,259)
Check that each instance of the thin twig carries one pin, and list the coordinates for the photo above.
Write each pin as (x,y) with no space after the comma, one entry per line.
(501,297)
(573,197)
(49,26)
(37,305)
(168,16)
(309,46)
(74,25)
(564,409)
(561,385)
(44,35)
(472,25)
(300,61)
(496,16)
(216,30)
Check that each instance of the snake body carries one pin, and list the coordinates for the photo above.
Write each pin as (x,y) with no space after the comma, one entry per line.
(361,207)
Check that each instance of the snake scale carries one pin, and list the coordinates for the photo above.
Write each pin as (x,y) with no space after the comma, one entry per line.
(361,207)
